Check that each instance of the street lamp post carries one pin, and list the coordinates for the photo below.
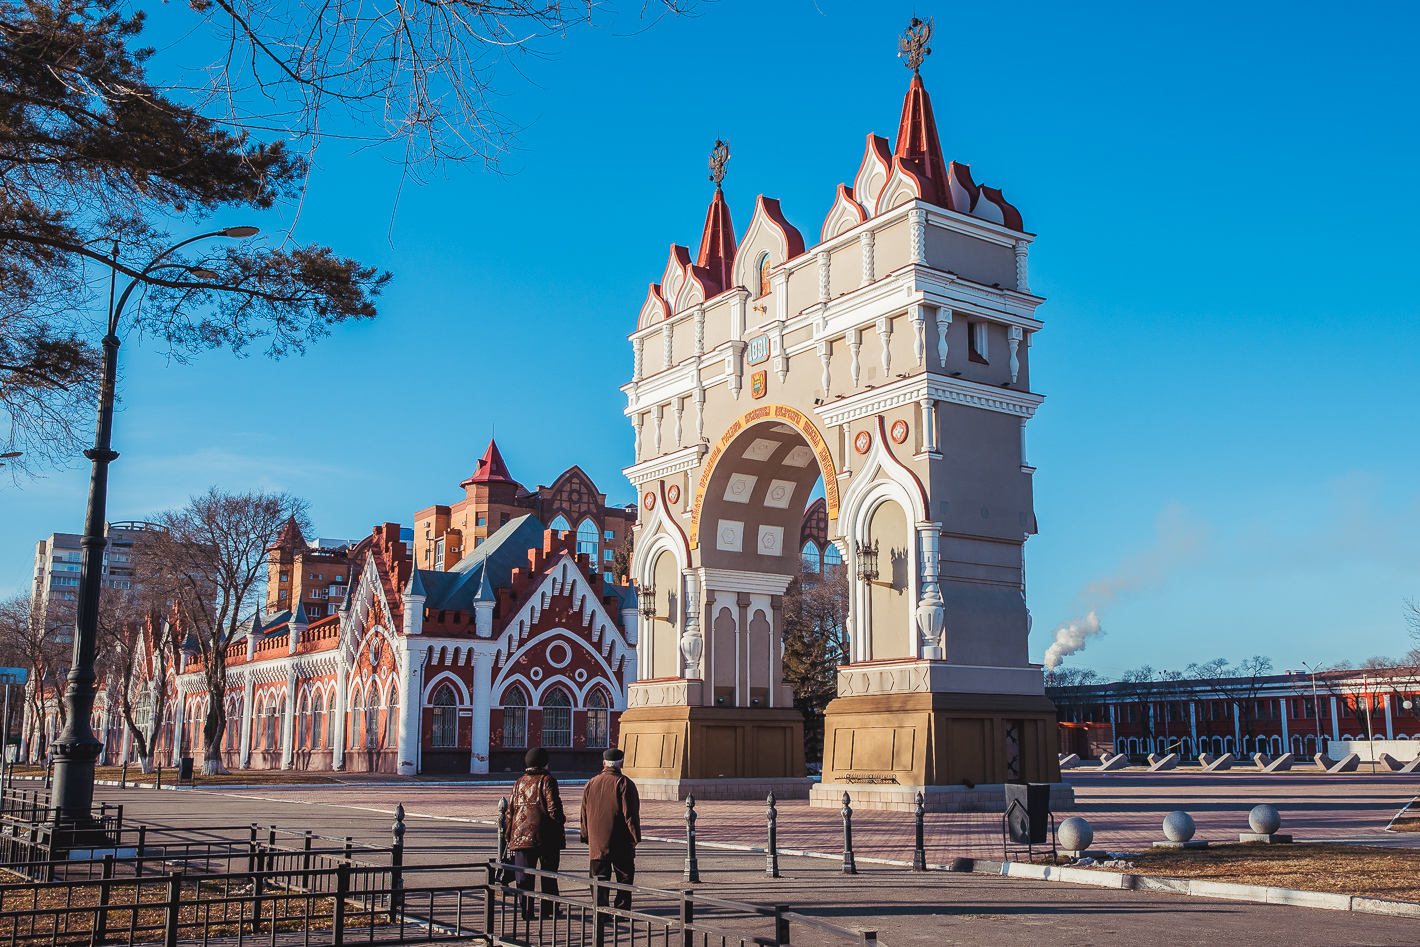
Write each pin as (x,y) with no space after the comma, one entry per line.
(76,749)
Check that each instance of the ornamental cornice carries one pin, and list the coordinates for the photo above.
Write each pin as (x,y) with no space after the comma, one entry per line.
(666,465)
(936,387)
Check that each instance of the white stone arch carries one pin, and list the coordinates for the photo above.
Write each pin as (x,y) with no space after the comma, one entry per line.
(883,479)
(504,684)
(658,534)
(576,641)
(460,688)
(768,232)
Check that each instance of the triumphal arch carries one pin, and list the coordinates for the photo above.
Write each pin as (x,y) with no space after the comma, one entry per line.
(887,366)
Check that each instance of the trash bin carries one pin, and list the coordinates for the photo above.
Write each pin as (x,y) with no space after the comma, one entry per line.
(1028,812)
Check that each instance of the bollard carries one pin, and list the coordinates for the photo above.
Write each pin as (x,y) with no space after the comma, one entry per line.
(158,777)
(503,831)
(692,864)
(123,776)
(48,773)
(919,851)
(397,861)
(850,867)
(771,851)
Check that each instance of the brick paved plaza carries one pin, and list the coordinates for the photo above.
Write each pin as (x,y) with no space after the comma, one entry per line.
(940,907)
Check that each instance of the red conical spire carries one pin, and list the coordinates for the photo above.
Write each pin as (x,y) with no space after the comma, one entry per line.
(717,243)
(290,536)
(917,139)
(491,468)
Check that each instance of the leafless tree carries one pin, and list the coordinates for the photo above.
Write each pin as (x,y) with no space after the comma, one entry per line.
(1238,684)
(815,644)
(30,642)
(135,648)
(1412,617)
(1071,689)
(421,75)
(210,564)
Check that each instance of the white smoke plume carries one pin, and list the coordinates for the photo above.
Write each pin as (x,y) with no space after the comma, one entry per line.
(1179,540)
(1070,636)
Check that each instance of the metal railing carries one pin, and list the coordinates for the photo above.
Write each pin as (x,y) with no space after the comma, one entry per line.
(587,917)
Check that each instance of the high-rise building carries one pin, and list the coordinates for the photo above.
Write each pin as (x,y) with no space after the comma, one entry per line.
(314,574)
(59,559)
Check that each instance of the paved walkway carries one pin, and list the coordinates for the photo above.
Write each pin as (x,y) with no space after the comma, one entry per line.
(906,908)
(1125,810)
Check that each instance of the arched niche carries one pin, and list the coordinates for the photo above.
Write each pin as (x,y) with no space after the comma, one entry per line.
(663,633)
(889,618)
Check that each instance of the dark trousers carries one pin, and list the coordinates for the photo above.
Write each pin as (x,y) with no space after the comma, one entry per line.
(545,859)
(625,868)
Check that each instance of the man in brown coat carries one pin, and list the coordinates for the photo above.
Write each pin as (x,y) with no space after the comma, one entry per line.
(535,832)
(611,826)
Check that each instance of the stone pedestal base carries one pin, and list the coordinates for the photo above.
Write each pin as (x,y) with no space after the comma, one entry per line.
(885,741)
(1264,837)
(1194,843)
(672,744)
(902,798)
(703,789)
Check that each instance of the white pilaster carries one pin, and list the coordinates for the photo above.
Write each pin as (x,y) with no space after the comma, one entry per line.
(1022,269)
(248,699)
(944,320)
(342,703)
(823,275)
(288,723)
(411,709)
(692,642)
(865,241)
(482,698)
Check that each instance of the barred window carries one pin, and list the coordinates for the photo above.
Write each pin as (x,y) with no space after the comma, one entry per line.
(556,718)
(446,717)
(392,719)
(357,707)
(303,722)
(598,720)
(317,718)
(515,718)
(372,719)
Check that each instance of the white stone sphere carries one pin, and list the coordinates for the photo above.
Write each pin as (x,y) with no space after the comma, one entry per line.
(1075,834)
(1178,826)
(1264,819)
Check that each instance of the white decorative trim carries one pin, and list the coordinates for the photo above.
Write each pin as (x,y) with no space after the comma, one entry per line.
(734,580)
(937,387)
(668,465)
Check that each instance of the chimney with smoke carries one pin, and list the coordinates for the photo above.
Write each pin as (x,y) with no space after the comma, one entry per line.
(1070,637)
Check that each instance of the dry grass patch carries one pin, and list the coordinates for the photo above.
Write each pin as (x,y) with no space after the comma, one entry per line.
(244,777)
(1341,869)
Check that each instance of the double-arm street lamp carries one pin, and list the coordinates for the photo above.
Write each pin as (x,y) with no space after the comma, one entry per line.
(76,749)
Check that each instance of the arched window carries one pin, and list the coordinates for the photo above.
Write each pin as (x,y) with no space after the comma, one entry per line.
(587,541)
(357,706)
(515,717)
(560,524)
(764,267)
(392,719)
(372,719)
(556,718)
(446,717)
(598,720)
(273,725)
(303,722)
(831,556)
(317,718)
(813,560)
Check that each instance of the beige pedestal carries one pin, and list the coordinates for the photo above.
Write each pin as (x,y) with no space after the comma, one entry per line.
(891,745)
(727,752)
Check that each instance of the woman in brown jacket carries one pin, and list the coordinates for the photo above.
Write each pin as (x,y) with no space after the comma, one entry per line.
(536,833)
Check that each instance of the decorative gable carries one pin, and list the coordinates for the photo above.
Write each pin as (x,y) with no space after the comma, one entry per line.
(699,286)
(768,233)
(654,309)
(873,173)
(845,214)
(907,183)
(674,276)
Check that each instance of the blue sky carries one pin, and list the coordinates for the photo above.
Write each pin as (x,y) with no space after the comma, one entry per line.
(1223,196)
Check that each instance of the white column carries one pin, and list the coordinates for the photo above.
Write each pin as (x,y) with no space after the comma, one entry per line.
(482,697)
(929,425)
(1335,724)
(944,320)
(248,699)
(1389,726)
(931,609)
(342,700)
(865,241)
(1237,730)
(1286,736)
(1193,724)
(411,714)
(288,723)
(692,642)
(179,723)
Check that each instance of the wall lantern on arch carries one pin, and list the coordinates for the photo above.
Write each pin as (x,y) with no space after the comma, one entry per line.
(648,601)
(867,556)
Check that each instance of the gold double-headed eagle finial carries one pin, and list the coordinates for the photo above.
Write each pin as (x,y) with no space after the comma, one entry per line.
(718,156)
(912,44)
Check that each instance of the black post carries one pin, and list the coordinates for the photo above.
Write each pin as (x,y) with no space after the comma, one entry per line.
(503,831)
(781,925)
(692,864)
(687,918)
(142,840)
(170,922)
(488,900)
(397,861)
(158,776)
(919,851)
(101,919)
(342,891)
(850,867)
(306,863)
(123,776)
(771,851)
(251,849)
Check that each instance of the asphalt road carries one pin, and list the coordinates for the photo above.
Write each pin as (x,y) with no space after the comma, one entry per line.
(905,908)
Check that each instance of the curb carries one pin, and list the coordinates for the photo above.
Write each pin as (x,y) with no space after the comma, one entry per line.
(1257,894)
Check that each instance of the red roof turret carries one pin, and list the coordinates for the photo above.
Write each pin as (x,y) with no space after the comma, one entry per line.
(491,468)
(290,536)
(717,243)
(917,141)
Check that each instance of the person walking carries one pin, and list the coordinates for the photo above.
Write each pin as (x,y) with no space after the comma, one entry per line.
(611,826)
(536,829)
